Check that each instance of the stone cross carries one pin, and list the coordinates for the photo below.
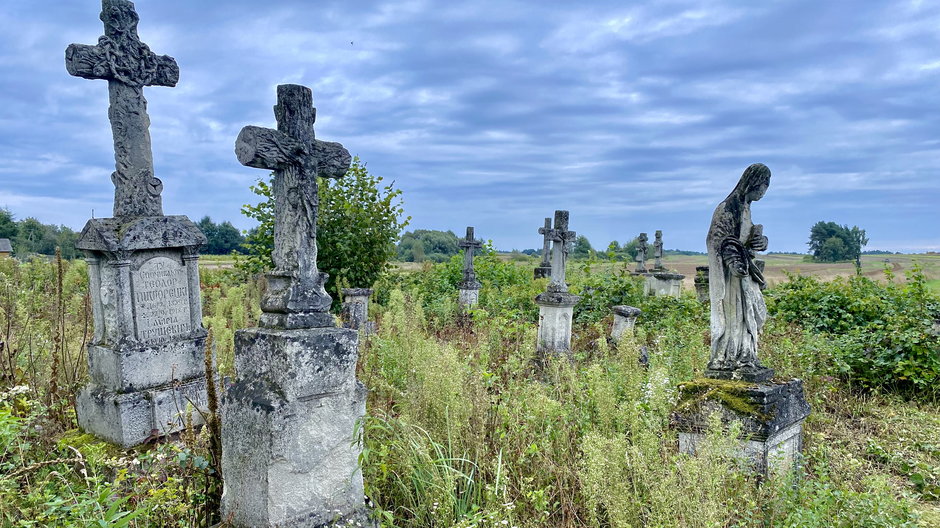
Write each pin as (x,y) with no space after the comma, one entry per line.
(469,245)
(128,65)
(642,250)
(561,239)
(297,159)
(546,243)
(658,250)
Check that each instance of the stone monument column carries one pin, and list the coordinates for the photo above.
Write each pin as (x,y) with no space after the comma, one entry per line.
(701,283)
(624,321)
(356,310)
(774,408)
(469,286)
(642,254)
(556,304)
(146,362)
(545,267)
(289,451)
(658,251)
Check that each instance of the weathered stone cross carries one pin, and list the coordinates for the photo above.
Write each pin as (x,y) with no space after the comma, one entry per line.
(469,245)
(297,158)
(561,240)
(546,242)
(128,65)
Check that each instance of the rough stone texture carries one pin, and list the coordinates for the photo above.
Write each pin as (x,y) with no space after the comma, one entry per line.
(658,251)
(469,245)
(701,283)
(295,297)
(356,310)
(660,284)
(642,253)
(738,311)
(624,321)
(545,267)
(128,419)
(128,65)
(288,425)
(555,313)
(468,298)
(771,435)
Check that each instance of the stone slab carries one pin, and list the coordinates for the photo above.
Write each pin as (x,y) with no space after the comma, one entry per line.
(137,233)
(301,363)
(136,366)
(775,455)
(468,297)
(663,284)
(130,419)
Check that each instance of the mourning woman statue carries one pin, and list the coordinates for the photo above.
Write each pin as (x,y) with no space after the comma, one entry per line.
(737,305)
(642,253)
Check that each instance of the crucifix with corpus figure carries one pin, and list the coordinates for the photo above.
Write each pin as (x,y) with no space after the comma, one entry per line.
(468,244)
(296,297)
(128,65)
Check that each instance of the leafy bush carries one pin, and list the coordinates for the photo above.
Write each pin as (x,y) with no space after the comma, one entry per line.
(885,332)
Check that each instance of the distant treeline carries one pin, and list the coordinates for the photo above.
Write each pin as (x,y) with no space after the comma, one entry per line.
(29,236)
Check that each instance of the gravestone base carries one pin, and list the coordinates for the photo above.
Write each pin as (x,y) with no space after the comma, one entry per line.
(555,312)
(129,419)
(468,298)
(771,415)
(543,272)
(288,425)
(146,360)
(356,310)
(659,284)
(624,321)
(701,283)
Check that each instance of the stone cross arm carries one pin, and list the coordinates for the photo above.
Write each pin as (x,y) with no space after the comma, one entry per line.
(266,148)
(99,62)
(469,242)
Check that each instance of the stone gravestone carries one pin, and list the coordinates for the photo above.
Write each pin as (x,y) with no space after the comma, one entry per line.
(556,304)
(773,409)
(658,251)
(545,267)
(289,455)
(663,283)
(356,310)
(624,321)
(642,254)
(701,283)
(146,361)
(469,286)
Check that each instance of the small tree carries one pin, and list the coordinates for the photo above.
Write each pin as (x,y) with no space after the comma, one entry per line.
(7,224)
(357,226)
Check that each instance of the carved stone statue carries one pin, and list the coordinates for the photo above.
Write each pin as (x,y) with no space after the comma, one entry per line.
(738,311)
(658,250)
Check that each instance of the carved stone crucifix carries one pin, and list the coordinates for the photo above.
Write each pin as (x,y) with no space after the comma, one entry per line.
(561,239)
(128,65)
(469,245)
(546,243)
(297,159)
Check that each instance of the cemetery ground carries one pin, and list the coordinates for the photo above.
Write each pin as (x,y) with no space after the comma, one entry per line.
(461,431)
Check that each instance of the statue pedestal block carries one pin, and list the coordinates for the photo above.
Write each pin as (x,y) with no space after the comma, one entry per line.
(468,298)
(663,284)
(289,454)
(543,272)
(771,415)
(146,361)
(624,321)
(356,310)
(555,314)
(701,283)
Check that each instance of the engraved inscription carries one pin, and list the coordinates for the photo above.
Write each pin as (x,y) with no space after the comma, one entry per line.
(161,300)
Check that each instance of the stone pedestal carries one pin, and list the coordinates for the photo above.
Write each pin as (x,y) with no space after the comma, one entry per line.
(771,415)
(543,272)
(146,360)
(469,294)
(663,284)
(624,321)
(356,310)
(288,422)
(701,283)
(555,314)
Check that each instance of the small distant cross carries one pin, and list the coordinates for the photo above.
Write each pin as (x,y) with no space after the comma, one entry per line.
(546,242)
(128,65)
(469,245)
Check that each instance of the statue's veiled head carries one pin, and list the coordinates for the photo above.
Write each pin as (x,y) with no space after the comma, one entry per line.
(753,183)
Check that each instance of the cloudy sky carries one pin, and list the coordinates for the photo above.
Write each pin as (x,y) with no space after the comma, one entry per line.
(635,116)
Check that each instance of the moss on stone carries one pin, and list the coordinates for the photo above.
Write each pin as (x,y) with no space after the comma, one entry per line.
(732,394)
(89,445)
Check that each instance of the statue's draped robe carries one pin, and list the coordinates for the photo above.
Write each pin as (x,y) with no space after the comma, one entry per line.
(738,311)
